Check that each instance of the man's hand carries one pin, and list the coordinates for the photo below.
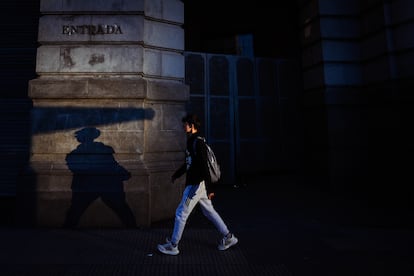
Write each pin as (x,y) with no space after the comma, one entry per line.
(211,195)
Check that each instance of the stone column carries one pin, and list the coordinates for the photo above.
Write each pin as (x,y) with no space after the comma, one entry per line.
(107,104)
(357,96)
(331,78)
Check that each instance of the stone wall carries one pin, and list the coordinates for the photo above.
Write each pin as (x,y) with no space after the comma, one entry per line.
(106,120)
(357,59)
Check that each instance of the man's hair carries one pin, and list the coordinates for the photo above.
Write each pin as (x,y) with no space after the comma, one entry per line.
(192,119)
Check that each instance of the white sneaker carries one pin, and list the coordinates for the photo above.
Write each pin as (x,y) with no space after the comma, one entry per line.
(168,249)
(226,243)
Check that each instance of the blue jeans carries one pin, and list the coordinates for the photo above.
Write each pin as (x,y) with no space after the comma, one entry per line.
(192,195)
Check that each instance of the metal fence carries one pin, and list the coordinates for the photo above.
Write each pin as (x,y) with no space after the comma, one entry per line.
(249,108)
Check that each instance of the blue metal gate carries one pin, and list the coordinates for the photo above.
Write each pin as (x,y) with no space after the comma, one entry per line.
(246,105)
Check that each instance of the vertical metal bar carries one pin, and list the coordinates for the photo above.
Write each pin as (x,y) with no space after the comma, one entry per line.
(232,96)
(207,122)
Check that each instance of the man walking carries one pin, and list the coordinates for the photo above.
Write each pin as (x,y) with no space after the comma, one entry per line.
(198,189)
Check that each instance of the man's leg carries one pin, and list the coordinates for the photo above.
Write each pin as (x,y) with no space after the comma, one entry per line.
(208,210)
(188,202)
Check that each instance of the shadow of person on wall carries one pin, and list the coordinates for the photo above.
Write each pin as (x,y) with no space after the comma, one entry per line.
(96,174)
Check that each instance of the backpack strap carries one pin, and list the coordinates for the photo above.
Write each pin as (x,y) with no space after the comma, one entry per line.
(195,141)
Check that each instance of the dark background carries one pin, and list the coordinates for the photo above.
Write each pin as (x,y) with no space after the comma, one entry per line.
(19,21)
(211,26)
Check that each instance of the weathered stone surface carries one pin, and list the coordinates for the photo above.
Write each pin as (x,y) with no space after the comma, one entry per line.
(113,59)
(90,59)
(144,134)
(170,10)
(163,63)
(165,35)
(157,90)
(56,192)
(105,122)
(91,28)
(92,88)
(83,6)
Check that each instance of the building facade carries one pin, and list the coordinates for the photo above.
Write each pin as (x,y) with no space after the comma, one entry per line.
(350,100)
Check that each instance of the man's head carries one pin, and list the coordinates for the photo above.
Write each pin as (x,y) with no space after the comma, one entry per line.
(191,123)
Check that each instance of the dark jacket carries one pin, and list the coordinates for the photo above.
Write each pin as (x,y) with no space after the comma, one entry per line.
(195,164)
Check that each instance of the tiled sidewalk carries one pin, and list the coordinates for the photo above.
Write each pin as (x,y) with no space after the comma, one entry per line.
(282,231)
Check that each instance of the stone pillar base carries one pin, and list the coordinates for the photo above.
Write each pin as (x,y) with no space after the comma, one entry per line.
(100,158)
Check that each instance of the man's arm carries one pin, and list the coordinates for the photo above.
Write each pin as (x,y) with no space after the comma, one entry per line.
(179,172)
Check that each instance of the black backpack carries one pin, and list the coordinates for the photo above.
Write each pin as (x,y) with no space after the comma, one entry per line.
(213,166)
